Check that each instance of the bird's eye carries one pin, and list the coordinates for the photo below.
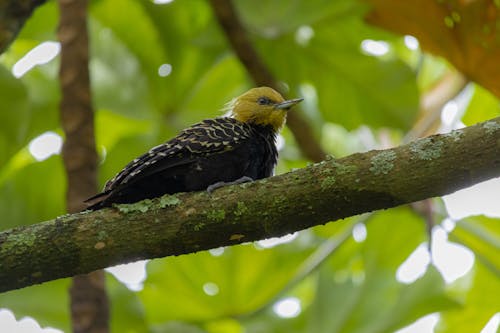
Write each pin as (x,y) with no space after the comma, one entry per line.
(263,101)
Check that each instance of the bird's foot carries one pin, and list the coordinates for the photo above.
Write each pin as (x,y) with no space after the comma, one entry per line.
(217,185)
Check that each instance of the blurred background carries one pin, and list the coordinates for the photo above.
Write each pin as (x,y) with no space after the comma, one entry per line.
(374,74)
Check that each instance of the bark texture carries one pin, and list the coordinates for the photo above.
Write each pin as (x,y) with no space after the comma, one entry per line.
(191,222)
(89,302)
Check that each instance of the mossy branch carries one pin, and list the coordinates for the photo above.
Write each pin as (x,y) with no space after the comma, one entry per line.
(190,222)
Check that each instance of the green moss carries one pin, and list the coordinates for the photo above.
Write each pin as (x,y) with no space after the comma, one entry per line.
(216,215)
(278,201)
(169,201)
(147,204)
(427,149)
(102,235)
(141,206)
(343,169)
(456,135)
(26,239)
(491,126)
(327,182)
(241,208)
(199,226)
(245,184)
(332,169)
(382,162)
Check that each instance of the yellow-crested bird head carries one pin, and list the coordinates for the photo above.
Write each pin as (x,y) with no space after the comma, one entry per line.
(262,106)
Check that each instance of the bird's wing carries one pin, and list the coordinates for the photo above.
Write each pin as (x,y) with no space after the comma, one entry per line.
(208,137)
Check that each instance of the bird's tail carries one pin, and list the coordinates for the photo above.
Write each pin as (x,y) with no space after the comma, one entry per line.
(98,201)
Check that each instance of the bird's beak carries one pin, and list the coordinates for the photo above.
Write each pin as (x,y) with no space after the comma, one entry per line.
(288,104)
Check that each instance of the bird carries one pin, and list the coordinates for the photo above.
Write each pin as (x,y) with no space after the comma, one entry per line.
(232,149)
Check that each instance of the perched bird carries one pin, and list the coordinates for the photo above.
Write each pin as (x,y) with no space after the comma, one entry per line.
(210,154)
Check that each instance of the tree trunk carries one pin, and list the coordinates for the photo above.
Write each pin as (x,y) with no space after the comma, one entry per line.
(89,302)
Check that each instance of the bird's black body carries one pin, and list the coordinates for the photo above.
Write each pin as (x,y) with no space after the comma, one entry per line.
(212,151)
(207,155)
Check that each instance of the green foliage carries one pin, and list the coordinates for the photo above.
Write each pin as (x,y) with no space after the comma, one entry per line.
(49,305)
(349,97)
(360,281)
(33,192)
(482,106)
(478,305)
(354,101)
(240,276)
(14,123)
(40,302)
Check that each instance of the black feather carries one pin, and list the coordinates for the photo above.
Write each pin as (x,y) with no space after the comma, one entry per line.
(214,150)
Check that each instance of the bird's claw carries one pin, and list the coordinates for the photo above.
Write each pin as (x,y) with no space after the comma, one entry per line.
(217,185)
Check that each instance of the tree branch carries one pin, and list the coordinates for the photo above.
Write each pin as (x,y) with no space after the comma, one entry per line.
(237,36)
(190,222)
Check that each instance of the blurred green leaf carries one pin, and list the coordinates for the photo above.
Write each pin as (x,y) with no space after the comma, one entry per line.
(39,112)
(225,326)
(119,81)
(431,70)
(229,78)
(42,25)
(112,127)
(149,52)
(122,152)
(14,116)
(119,60)
(277,17)
(479,303)
(44,96)
(47,303)
(358,290)
(352,88)
(481,234)
(33,193)
(483,106)
(189,38)
(127,313)
(169,34)
(241,280)
(176,327)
